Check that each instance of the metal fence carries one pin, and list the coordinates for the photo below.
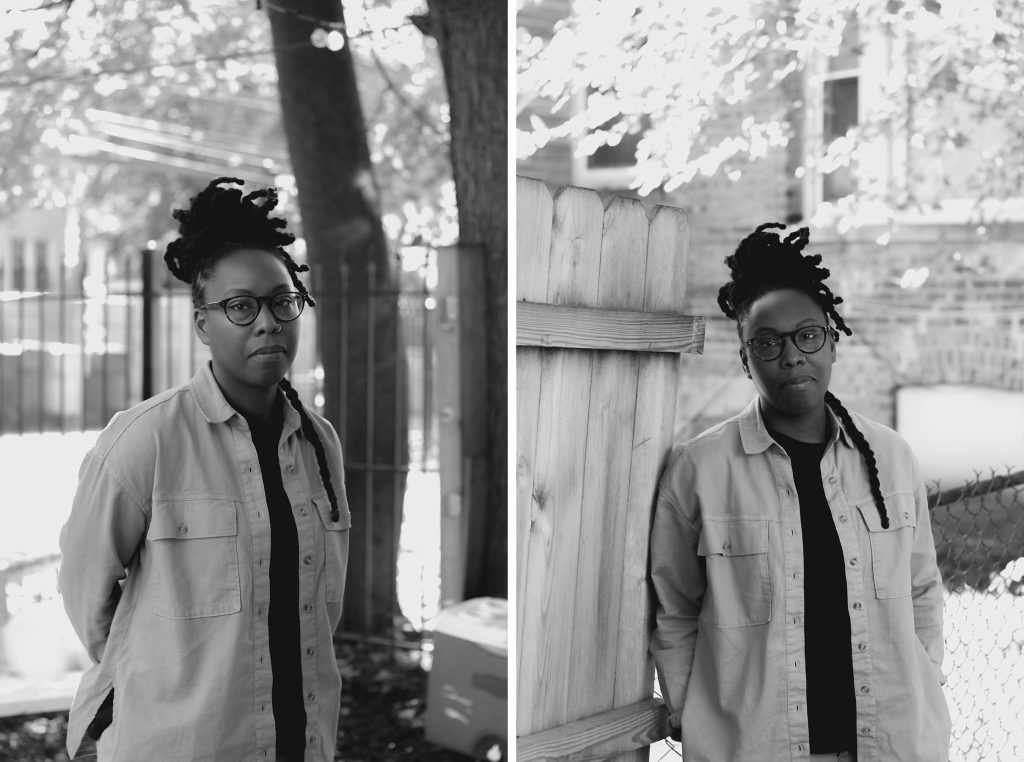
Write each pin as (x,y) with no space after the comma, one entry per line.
(979,543)
(96,338)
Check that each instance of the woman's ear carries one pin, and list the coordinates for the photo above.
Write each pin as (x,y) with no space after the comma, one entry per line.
(746,364)
(199,325)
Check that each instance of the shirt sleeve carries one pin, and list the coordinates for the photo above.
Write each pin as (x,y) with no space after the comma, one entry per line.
(926,580)
(97,543)
(679,580)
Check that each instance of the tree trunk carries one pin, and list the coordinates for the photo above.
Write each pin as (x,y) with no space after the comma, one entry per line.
(472,40)
(357,307)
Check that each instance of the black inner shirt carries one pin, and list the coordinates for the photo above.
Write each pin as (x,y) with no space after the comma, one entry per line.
(283,614)
(831,700)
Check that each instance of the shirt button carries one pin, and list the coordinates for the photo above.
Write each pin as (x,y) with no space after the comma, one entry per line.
(858,605)
(800,748)
(310,696)
(853,561)
(843,518)
(259,612)
(291,468)
(307,560)
(831,480)
(796,620)
(260,562)
(725,546)
(183,529)
(312,739)
(906,514)
(865,689)
(865,731)
(302,511)
(862,646)
(307,607)
(310,651)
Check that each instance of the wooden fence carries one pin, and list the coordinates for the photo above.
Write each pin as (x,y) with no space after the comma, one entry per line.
(598,337)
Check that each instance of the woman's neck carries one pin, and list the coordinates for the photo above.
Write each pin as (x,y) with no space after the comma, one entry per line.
(810,426)
(251,401)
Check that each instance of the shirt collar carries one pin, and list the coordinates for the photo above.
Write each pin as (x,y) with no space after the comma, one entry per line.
(755,437)
(215,407)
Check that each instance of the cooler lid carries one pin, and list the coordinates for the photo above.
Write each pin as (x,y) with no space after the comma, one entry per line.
(479,620)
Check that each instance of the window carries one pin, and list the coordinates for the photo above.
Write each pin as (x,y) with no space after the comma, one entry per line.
(610,166)
(42,266)
(18,264)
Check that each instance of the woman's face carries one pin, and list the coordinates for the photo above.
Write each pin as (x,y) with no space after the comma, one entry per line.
(794,383)
(254,356)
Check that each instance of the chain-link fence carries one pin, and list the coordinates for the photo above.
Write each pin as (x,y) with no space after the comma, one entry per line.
(979,541)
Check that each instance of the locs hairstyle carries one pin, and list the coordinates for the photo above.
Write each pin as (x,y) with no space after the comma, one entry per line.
(765,262)
(218,222)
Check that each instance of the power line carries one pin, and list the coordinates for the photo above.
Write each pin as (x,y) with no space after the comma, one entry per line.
(91,74)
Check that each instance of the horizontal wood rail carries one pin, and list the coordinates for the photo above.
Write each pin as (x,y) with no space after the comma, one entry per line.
(573,327)
(598,737)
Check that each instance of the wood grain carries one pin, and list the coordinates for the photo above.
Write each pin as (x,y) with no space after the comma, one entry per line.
(599,737)
(579,327)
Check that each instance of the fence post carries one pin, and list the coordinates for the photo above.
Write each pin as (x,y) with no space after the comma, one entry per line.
(147,323)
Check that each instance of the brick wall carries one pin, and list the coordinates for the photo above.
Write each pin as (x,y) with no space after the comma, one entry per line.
(963,325)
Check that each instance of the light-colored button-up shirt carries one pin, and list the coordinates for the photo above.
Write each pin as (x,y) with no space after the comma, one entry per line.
(727,566)
(165,576)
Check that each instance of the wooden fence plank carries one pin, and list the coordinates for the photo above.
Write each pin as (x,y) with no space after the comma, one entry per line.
(552,543)
(612,392)
(534,223)
(654,424)
(576,327)
(599,737)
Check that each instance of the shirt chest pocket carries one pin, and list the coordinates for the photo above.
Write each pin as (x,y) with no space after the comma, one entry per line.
(891,547)
(194,551)
(735,555)
(336,534)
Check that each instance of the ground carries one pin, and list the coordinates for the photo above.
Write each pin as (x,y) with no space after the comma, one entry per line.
(382,715)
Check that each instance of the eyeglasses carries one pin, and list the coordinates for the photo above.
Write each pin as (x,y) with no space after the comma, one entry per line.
(243,310)
(809,339)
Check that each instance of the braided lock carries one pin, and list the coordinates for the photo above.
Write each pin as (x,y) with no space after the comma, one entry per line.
(318,446)
(866,452)
(764,262)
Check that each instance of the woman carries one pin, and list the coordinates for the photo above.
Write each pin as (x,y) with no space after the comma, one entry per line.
(204,558)
(799,601)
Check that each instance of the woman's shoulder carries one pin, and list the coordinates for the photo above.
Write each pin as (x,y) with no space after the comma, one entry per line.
(133,432)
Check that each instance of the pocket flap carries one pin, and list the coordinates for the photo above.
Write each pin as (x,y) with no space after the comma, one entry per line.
(900,508)
(322,504)
(188,519)
(733,537)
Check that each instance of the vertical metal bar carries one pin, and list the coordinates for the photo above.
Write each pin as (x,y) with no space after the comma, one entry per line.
(147,323)
(82,344)
(428,369)
(128,397)
(167,297)
(368,455)
(3,360)
(41,364)
(62,297)
(21,358)
(343,317)
(398,478)
(105,365)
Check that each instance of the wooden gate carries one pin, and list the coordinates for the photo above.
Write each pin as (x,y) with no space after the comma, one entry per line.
(598,337)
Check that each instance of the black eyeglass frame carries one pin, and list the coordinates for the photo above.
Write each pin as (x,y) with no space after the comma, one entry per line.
(223,304)
(791,335)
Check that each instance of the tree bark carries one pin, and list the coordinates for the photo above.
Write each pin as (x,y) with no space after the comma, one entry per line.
(357,305)
(472,37)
